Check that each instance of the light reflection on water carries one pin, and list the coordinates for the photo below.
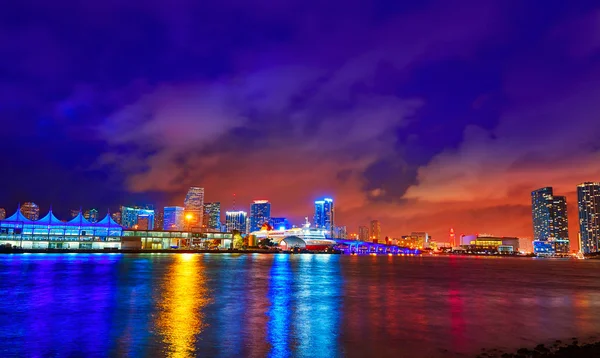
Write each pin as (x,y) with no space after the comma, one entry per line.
(289,305)
(180,301)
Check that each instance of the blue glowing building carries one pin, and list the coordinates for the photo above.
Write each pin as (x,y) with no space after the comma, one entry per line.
(50,232)
(280,224)
(174,218)
(260,213)
(550,223)
(131,215)
(324,215)
(236,220)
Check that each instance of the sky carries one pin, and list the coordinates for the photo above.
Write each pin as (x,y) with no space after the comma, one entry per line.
(425,115)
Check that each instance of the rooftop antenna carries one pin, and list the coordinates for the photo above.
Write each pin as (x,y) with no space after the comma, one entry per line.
(233,201)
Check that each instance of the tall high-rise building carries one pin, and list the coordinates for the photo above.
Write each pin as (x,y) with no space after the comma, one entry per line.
(279,223)
(130,216)
(212,215)
(260,213)
(588,200)
(31,211)
(116,216)
(159,219)
(363,233)
(549,215)
(2,213)
(174,218)
(340,232)
(325,214)
(194,206)
(236,220)
(375,232)
(91,215)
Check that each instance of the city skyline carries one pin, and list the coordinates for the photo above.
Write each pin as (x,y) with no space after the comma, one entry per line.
(397,120)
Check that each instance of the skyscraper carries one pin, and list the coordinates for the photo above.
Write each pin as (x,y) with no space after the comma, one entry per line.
(91,215)
(31,211)
(236,220)
(260,213)
(159,219)
(363,233)
(340,232)
(174,218)
(194,206)
(324,215)
(2,213)
(588,200)
(550,223)
(212,215)
(375,232)
(549,215)
(130,215)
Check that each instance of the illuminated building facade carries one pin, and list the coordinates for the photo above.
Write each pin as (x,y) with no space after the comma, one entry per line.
(549,213)
(174,218)
(588,200)
(116,216)
(212,215)
(363,233)
(325,215)
(159,219)
(280,224)
(236,220)
(260,213)
(130,215)
(31,211)
(51,233)
(74,213)
(2,213)
(91,215)
(194,206)
(375,232)
(489,244)
(143,223)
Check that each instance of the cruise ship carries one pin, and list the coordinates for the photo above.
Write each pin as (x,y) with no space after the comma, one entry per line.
(310,238)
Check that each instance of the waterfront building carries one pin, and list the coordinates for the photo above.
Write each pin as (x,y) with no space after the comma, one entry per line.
(236,220)
(549,213)
(130,215)
(212,215)
(325,215)
(159,219)
(421,238)
(280,223)
(194,207)
(31,211)
(91,215)
(489,244)
(588,202)
(116,216)
(375,232)
(2,213)
(363,233)
(260,213)
(174,218)
(50,232)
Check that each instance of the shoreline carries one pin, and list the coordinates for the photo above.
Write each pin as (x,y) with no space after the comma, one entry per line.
(157,251)
(558,349)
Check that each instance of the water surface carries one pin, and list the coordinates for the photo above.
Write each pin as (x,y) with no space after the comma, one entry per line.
(228,305)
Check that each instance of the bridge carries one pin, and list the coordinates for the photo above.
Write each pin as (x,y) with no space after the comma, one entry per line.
(353,247)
